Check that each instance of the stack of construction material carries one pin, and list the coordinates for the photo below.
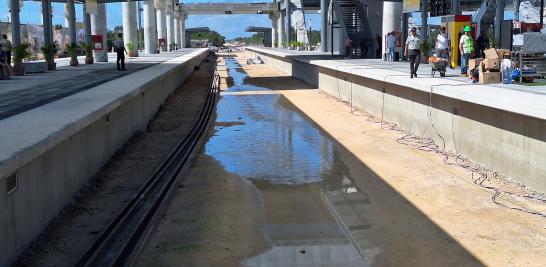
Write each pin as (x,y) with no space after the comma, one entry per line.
(490,67)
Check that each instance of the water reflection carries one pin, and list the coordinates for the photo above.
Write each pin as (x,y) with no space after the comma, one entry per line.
(238,75)
(301,178)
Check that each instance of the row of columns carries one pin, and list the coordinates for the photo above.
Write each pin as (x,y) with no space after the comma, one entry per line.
(169,25)
(278,29)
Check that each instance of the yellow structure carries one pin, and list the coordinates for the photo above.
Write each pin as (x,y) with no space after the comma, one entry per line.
(454,25)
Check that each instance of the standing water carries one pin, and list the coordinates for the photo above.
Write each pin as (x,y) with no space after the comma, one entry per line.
(297,171)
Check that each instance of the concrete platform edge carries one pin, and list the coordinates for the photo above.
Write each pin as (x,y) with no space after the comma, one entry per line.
(58,147)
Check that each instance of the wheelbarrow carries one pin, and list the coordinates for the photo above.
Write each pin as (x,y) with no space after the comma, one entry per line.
(438,65)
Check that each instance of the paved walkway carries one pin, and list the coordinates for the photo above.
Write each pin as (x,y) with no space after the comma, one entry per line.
(23,93)
(402,66)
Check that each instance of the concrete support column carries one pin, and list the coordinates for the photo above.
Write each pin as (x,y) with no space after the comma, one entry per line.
(323,24)
(162,25)
(288,12)
(405,31)
(280,30)
(66,16)
(183,40)
(150,39)
(424,19)
(499,18)
(15,23)
(274,30)
(170,30)
(176,31)
(72,20)
(87,25)
(98,27)
(130,26)
(46,20)
(392,13)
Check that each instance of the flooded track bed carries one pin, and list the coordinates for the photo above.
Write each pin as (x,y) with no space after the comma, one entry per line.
(272,188)
(293,170)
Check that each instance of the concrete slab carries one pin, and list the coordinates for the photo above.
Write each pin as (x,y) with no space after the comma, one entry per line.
(23,93)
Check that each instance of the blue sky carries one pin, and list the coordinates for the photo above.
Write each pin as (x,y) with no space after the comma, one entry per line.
(230,26)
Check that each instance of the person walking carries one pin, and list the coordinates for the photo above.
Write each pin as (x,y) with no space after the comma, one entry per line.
(442,44)
(6,46)
(413,51)
(120,52)
(466,47)
(391,46)
(348,47)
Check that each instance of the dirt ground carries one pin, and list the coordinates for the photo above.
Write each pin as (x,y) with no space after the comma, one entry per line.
(81,221)
(418,210)
(441,208)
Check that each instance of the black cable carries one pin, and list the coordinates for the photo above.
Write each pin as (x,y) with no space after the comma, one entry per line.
(427,144)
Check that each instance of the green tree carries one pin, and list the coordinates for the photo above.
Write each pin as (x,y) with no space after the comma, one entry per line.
(212,36)
(314,37)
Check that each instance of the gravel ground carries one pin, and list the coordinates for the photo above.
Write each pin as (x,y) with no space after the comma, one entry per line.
(82,220)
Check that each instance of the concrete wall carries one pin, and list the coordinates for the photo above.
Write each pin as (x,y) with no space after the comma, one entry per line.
(511,143)
(57,166)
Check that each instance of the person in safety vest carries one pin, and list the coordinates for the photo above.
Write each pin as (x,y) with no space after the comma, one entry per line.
(466,47)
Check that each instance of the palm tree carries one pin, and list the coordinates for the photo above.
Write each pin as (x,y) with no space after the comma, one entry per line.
(72,50)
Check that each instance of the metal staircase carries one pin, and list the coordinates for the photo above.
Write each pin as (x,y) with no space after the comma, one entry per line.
(485,16)
(354,18)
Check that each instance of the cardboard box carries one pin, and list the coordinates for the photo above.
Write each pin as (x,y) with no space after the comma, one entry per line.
(502,52)
(490,77)
(491,64)
(474,62)
(491,53)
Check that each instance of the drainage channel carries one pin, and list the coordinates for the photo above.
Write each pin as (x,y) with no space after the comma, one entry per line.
(301,178)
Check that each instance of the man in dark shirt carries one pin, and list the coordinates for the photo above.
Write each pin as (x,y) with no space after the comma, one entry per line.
(364,47)
(379,46)
(482,43)
(120,51)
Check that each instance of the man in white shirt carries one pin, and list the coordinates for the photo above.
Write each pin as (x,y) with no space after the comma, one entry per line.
(442,44)
(413,51)
(391,45)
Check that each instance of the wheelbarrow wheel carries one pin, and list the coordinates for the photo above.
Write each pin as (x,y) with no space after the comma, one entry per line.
(442,74)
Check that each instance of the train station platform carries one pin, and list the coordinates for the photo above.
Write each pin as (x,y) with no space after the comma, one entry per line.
(59,128)
(499,126)
(22,93)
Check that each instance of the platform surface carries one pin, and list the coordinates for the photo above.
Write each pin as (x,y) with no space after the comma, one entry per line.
(34,131)
(520,99)
(23,93)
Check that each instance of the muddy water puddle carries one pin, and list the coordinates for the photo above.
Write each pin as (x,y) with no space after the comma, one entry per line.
(295,168)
